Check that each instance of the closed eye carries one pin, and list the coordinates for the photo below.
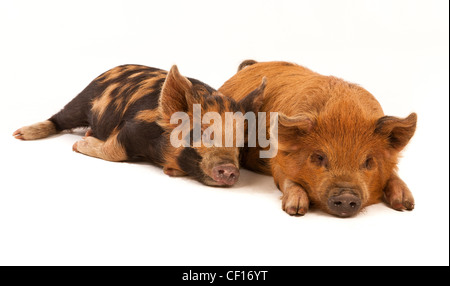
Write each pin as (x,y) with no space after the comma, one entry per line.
(369,163)
(319,160)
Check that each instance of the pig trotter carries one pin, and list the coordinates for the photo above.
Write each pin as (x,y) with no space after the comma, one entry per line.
(110,150)
(173,172)
(36,131)
(88,133)
(295,199)
(398,195)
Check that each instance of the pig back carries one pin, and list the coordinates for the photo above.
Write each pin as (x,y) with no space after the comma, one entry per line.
(293,89)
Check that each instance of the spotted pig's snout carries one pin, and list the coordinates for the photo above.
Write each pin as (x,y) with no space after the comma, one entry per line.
(226,174)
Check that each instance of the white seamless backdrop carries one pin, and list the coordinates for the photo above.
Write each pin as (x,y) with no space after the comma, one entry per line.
(58,207)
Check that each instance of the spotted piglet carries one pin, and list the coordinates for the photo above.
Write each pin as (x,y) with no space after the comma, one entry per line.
(128,111)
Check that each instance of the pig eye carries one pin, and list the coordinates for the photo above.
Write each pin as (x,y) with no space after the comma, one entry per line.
(369,164)
(319,160)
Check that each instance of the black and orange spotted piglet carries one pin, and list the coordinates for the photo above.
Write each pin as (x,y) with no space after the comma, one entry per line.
(128,109)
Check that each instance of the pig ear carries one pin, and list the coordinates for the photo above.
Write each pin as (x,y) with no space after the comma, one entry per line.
(398,131)
(303,122)
(174,93)
(291,129)
(254,100)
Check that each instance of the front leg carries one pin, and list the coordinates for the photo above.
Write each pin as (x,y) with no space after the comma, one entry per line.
(397,194)
(173,172)
(295,200)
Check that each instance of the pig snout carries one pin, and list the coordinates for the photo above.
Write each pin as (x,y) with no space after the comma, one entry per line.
(226,174)
(344,202)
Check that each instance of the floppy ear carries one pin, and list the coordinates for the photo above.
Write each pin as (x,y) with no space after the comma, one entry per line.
(291,129)
(254,100)
(174,93)
(398,131)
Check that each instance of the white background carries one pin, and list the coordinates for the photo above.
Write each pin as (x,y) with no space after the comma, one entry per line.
(58,207)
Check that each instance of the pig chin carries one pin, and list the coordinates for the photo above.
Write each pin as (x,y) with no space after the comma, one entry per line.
(343,199)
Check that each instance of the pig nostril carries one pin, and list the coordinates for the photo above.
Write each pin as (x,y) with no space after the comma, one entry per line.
(226,174)
(344,205)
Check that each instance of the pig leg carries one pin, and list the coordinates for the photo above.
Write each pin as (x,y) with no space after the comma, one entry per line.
(398,195)
(73,115)
(36,131)
(295,200)
(173,172)
(110,150)
(89,132)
